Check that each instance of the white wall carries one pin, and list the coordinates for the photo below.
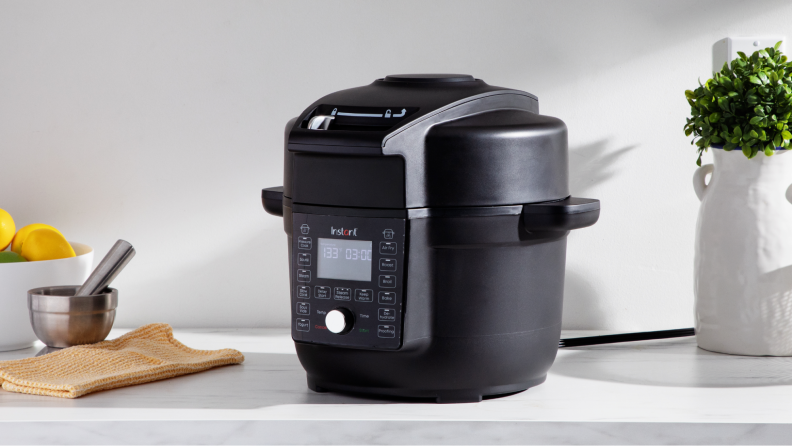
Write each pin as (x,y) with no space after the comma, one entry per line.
(160,121)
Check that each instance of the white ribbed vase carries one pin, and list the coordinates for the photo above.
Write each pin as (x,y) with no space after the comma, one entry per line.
(743,256)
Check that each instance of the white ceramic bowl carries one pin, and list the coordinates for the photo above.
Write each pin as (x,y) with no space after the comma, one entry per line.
(17,278)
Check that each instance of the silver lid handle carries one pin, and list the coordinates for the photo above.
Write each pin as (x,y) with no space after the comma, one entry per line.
(320,122)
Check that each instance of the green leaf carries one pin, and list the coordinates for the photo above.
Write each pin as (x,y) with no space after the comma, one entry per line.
(769,151)
(729,146)
(777,45)
(746,150)
(714,117)
(737,131)
(755,80)
(786,135)
(688,131)
(756,120)
(742,55)
(723,103)
(763,53)
(698,161)
(777,140)
(689,94)
(754,134)
(763,77)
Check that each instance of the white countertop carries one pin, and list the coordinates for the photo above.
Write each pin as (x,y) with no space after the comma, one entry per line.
(651,392)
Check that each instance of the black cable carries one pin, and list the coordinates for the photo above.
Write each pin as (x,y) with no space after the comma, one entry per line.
(626,337)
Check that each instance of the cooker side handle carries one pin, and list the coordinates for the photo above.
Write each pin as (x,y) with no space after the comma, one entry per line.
(272,199)
(565,215)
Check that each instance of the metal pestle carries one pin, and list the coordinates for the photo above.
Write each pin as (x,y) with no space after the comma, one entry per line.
(108,269)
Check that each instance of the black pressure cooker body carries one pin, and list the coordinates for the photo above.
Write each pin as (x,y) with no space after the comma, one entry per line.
(427,218)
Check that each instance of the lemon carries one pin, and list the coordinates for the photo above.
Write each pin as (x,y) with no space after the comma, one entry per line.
(7,229)
(11,257)
(21,235)
(46,244)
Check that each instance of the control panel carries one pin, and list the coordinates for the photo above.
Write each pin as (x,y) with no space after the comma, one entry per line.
(348,280)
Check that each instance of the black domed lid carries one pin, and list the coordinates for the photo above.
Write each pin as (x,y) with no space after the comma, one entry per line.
(429,78)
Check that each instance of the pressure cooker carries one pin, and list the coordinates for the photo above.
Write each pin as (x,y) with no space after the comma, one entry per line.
(427,218)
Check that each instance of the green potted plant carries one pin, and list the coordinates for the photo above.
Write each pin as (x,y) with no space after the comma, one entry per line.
(743,255)
(746,105)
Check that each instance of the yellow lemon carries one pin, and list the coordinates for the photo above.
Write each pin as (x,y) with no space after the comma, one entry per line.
(21,235)
(7,229)
(46,244)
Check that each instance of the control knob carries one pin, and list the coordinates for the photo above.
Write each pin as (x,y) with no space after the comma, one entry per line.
(339,321)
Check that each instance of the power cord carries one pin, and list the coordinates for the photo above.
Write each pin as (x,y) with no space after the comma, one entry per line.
(626,337)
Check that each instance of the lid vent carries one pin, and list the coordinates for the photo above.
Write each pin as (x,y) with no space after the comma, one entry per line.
(429,78)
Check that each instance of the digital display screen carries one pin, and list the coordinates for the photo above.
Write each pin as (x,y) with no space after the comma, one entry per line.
(344,259)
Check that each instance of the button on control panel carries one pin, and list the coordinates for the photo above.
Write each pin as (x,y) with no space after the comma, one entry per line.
(342,293)
(364,295)
(386,331)
(388,248)
(386,315)
(348,280)
(303,324)
(304,243)
(303,308)
(387,281)
(303,275)
(387,298)
(387,264)
(322,292)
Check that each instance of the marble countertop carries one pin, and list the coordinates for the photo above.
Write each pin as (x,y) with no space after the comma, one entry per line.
(651,392)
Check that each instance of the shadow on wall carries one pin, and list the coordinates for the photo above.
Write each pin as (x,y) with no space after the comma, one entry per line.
(590,165)
(582,307)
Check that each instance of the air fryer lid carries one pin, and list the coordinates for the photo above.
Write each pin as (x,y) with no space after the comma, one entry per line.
(413,141)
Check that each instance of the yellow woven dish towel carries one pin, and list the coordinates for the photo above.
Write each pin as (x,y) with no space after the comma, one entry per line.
(147,354)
